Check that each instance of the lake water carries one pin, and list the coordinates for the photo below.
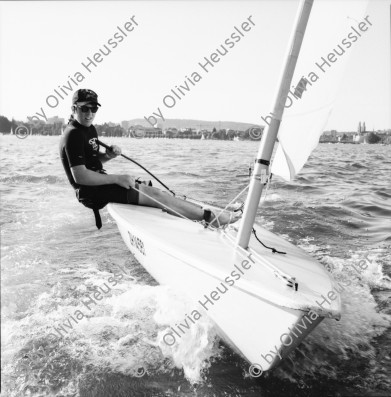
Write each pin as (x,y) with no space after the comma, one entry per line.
(338,209)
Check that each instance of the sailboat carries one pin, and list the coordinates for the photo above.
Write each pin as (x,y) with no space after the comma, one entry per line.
(263,299)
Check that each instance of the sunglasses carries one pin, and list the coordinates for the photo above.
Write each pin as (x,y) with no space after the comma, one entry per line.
(85,109)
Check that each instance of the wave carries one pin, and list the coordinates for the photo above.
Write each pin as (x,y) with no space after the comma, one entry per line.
(358,165)
(384,192)
(370,208)
(334,348)
(121,334)
(47,179)
(53,256)
(300,188)
(185,174)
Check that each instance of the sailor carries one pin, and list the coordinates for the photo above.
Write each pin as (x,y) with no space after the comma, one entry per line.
(83,165)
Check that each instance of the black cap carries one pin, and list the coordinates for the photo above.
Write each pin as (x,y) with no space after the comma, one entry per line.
(84,95)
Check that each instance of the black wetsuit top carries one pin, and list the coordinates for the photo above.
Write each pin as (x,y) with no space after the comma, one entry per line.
(78,146)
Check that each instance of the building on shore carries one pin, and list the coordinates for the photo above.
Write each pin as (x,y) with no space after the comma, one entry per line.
(139,131)
(361,131)
(361,136)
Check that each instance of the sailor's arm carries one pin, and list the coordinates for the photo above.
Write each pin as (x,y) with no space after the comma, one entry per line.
(84,176)
(110,154)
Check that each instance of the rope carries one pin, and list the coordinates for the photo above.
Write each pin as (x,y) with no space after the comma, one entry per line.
(268,183)
(216,217)
(235,198)
(270,248)
(174,194)
(135,162)
(289,280)
(212,204)
(286,278)
(174,211)
(165,206)
(208,225)
(278,273)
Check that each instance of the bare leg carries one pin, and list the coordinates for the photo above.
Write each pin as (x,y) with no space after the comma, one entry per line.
(183,207)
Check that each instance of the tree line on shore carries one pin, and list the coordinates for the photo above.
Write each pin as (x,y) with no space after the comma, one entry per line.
(115,130)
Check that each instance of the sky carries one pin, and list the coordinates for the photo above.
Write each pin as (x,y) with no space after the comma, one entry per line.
(43,46)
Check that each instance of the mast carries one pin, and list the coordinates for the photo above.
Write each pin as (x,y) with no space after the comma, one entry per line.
(261,168)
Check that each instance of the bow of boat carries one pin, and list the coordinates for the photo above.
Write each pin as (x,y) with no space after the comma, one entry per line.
(261,302)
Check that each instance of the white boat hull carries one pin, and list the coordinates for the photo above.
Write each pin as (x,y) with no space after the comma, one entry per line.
(255,312)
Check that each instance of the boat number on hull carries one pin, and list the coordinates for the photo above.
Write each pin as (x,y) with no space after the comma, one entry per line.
(137,243)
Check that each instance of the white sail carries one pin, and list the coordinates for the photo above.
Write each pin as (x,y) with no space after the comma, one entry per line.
(334,28)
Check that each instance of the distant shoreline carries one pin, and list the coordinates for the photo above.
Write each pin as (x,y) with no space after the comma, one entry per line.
(199,139)
(192,138)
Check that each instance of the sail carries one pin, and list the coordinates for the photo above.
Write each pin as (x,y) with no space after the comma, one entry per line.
(334,31)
